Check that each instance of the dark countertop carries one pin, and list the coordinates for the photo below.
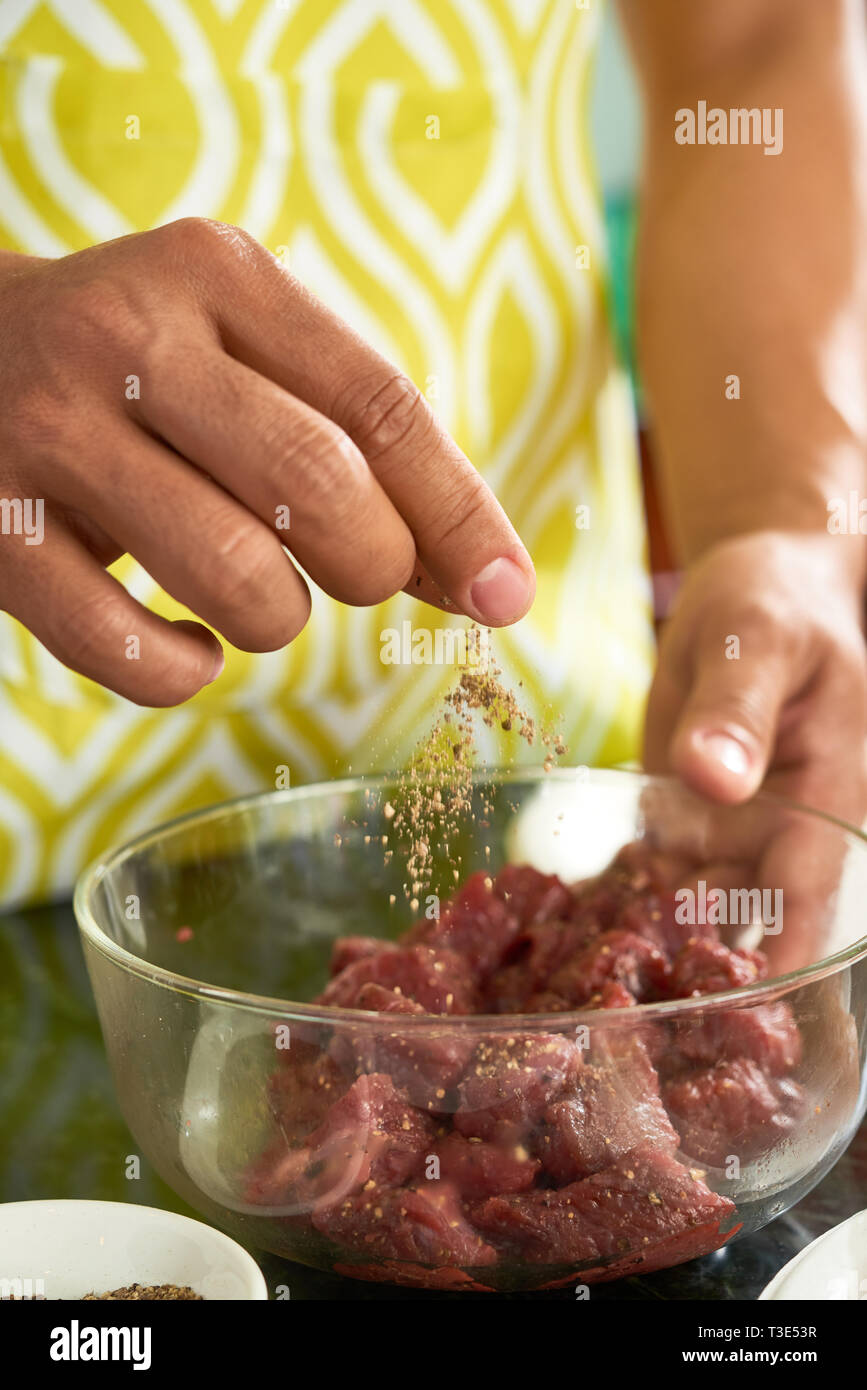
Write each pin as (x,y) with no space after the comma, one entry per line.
(62,1135)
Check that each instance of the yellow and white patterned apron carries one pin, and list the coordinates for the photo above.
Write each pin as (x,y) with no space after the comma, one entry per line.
(424,166)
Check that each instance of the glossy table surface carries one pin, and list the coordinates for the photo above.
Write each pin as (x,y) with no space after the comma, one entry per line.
(62,1135)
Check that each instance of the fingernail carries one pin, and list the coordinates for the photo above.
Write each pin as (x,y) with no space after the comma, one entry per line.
(501,592)
(728,751)
(219,663)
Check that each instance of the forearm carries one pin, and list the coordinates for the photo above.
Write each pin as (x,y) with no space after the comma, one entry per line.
(752,301)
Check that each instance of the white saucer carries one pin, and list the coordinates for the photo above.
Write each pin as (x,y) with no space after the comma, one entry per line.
(830,1269)
(66,1249)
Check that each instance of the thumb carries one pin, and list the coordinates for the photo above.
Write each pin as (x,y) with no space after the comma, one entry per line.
(724,738)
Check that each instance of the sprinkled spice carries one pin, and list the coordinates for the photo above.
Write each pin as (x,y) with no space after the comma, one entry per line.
(437,787)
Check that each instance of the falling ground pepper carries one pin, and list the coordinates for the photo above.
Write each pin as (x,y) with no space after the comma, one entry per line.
(437,788)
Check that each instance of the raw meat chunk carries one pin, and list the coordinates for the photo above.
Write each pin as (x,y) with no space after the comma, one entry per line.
(376,999)
(436,979)
(709,967)
(424,1223)
(732,1110)
(480,1169)
(644,1199)
(348,949)
(371,1136)
(509,1083)
(619,955)
(532,897)
(648,870)
(614,995)
(301,1092)
(545,1001)
(528,963)
(614,1107)
(654,918)
(476,924)
(765,1033)
(425,1067)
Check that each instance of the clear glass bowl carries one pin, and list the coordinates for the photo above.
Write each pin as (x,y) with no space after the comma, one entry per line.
(199,934)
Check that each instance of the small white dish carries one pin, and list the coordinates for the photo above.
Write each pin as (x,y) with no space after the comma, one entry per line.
(832,1268)
(67,1249)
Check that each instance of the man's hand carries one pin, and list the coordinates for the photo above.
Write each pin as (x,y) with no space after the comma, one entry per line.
(177,395)
(762,680)
(763,677)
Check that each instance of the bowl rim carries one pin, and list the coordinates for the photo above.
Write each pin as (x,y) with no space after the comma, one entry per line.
(762,991)
(50,1212)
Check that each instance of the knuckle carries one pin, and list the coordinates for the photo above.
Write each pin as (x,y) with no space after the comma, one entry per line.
(249,586)
(244,561)
(384,416)
(320,459)
(196,238)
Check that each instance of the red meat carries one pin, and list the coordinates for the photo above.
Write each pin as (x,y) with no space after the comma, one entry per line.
(556,1149)
(532,897)
(423,1223)
(654,917)
(618,955)
(370,1138)
(436,979)
(536,952)
(423,1066)
(614,995)
(615,1106)
(479,1169)
(545,1001)
(476,924)
(648,870)
(301,1092)
(709,967)
(732,1110)
(644,1200)
(509,1083)
(765,1033)
(348,949)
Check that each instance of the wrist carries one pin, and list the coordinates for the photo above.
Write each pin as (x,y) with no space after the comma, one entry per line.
(819,560)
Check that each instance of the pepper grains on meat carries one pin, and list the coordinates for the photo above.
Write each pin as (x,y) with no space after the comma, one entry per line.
(598,1156)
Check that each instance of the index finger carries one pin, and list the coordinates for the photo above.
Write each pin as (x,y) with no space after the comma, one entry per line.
(464,540)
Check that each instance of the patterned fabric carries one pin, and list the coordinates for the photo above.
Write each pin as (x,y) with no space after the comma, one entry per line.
(424,166)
